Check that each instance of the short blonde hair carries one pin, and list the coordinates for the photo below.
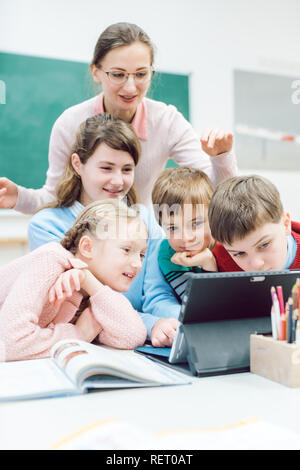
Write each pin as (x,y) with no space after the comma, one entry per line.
(179,186)
(96,217)
(241,205)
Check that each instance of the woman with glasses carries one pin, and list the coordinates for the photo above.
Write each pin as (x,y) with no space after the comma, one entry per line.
(123,64)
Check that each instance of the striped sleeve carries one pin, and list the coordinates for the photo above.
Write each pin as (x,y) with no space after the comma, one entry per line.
(178,280)
(176,275)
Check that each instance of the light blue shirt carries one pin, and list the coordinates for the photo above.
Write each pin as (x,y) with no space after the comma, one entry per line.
(149,293)
(291,252)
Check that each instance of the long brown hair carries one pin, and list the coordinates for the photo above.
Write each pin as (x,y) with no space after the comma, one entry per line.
(102,128)
(117,35)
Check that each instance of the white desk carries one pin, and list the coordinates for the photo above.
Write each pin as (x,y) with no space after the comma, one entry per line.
(208,402)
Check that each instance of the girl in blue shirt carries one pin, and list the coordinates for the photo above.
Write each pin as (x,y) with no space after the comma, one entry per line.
(101,166)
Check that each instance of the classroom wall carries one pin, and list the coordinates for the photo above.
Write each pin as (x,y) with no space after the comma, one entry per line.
(206,38)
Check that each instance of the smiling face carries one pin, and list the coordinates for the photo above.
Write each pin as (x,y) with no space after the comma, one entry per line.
(264,249)
(108,173)
(188,230)
(122,100)
(126,250)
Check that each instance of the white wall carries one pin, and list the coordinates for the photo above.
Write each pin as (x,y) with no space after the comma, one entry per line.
(207,38)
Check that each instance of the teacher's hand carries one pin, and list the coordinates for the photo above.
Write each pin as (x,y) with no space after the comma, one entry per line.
(216,141)
(8,194)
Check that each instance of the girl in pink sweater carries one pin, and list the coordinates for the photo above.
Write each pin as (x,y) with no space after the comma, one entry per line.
(72,289)
(123,65)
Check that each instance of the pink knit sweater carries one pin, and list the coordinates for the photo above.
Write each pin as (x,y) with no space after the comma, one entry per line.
(29,324)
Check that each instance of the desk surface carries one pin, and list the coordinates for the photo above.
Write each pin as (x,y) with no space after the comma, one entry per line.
(207,402)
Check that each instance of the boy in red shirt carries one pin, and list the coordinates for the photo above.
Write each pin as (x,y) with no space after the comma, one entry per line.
(253,231)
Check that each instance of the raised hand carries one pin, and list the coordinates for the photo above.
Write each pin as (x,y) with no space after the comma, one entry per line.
(216,141)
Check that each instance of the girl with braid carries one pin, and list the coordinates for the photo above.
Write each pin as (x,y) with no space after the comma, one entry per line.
(71,289)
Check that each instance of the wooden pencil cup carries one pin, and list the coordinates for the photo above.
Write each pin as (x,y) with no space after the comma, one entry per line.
(276,360)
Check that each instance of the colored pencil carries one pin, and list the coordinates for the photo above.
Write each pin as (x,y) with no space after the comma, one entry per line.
(290,321)
(280,298)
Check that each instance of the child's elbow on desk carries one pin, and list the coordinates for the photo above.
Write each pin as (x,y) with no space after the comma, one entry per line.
(131,340)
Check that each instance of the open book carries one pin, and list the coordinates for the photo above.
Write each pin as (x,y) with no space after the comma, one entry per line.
(75,367)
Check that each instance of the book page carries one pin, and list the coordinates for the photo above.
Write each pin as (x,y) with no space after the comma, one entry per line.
(32,378)
(80,360)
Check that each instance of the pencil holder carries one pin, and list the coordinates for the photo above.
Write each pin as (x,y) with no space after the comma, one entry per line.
(276,360)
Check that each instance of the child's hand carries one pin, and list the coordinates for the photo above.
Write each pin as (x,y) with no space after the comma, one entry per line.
(215,141)
(68,282)
(8,194)
(163,332)
(204,258)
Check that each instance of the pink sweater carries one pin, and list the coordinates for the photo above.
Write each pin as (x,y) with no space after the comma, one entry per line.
(29,324)
(163,133)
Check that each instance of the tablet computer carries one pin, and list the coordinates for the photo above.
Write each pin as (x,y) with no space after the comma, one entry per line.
(219,312)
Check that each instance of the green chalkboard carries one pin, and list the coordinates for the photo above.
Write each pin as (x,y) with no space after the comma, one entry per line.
(37,91)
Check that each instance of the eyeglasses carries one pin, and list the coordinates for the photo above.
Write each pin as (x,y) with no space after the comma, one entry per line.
(118,78)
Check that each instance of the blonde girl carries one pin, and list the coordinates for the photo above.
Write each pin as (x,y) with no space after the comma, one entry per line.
(72,289)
